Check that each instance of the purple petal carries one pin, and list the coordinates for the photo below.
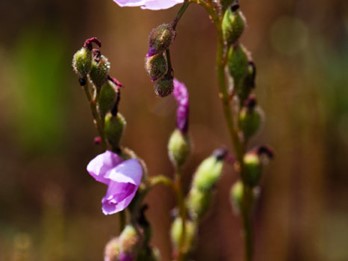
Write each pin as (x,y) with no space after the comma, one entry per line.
(149,4)
(182,97)
(118,197)
(99,167)
(124,179)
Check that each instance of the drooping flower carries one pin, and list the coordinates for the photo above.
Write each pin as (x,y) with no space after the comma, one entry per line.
(122,177)
(182,114)
(149,4)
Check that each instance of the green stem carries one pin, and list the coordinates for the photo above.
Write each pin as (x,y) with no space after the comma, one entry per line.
(97,120)
(122,220)
(247,205)
(238,144)
(182,213)
(180,13)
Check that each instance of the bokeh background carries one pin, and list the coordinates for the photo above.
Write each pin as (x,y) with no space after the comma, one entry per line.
(50,207)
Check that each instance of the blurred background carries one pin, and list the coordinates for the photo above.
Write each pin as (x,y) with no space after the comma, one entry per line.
(50,206)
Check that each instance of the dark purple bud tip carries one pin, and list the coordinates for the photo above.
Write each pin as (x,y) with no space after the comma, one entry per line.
(88,43)
(220,154)
(265,150)
(97,140)
(82,81)
(235,6)
(250,102)
(96,55)
(115,81)
(151,52)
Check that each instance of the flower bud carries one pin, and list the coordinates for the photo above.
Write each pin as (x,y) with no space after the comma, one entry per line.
(178,148)
(176,234)
(250,118)
(82,62)
(236,195)
(160,39)
(156,66)
(129,241)
(238,65)
(198,202)
(252,169)
(164,86)
(112,250)
(233,24)
(107,97)
(100,70)
(209,171)
(114,127)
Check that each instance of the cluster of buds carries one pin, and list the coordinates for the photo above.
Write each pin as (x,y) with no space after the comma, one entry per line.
(102,90)
(157,61)
(242,70)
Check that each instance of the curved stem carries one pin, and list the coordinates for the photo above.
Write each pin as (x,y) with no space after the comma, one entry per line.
(180,13)
(96,118)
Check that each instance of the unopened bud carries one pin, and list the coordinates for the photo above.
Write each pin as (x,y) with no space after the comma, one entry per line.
(178,148)
(164,86)
(233,24)
(114,127)
(236,195)
(100,70)
(129,241)
(198,202)
(82,62)
(250,118)
(107,97)
(112,250)
(252,169)
(238,65)
(156,66)
(209,171)
(160,39)
(176,233)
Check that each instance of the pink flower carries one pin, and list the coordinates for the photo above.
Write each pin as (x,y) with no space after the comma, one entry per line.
(123,178)
(149,4)
(181,96)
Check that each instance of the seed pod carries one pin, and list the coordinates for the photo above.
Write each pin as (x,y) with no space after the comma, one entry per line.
(233,24)
(156,66)
(160,39)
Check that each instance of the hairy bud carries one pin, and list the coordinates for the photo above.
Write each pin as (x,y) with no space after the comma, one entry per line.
(236,196)
(160,39)
(177,230)
(233,24)
(209,171)
(198,202)
(100,70)
(114,127)
(178,148)
(156,66)
(238,65)
(107,97)
(82,62)
(250,118)
(164,86)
